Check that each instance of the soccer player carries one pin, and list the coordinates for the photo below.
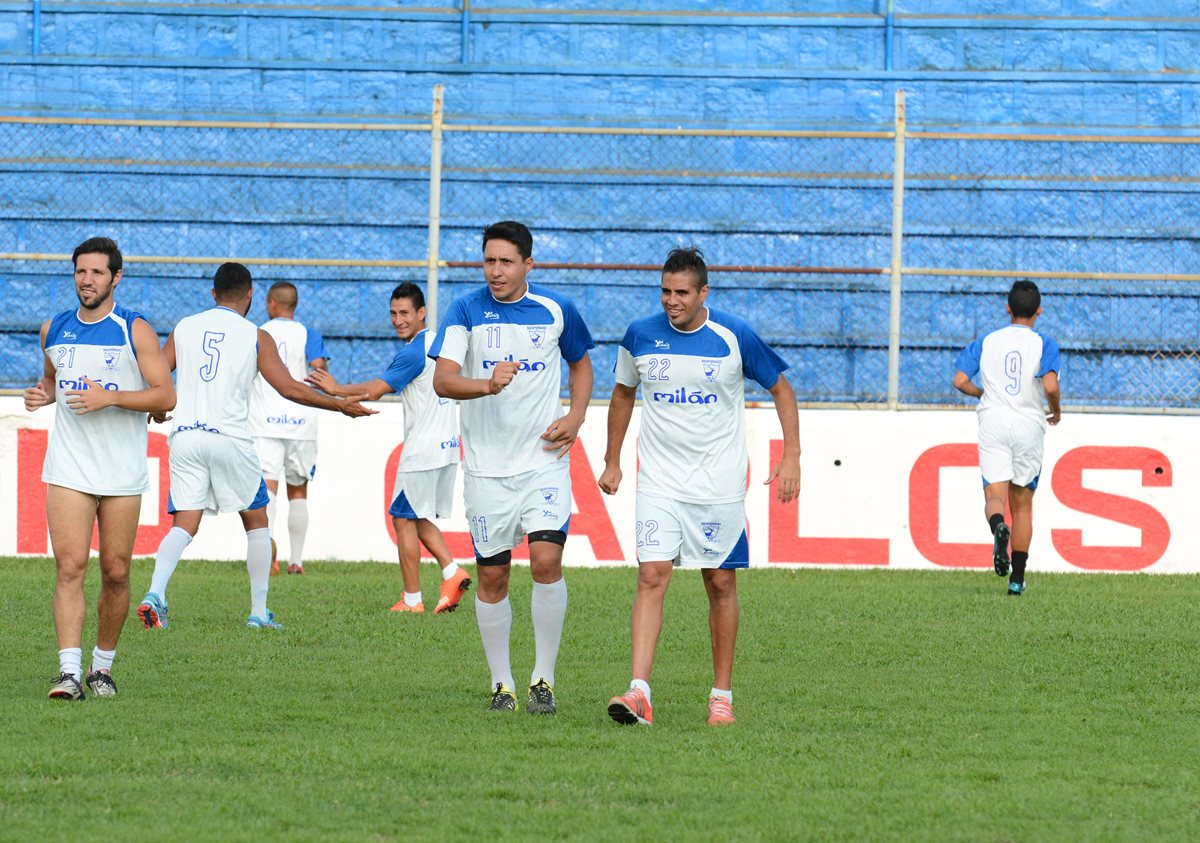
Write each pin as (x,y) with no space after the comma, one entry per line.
(500,352)
(691,362)
(103,365)
(285,433)
(1018,376)
(424,483)
(216,355)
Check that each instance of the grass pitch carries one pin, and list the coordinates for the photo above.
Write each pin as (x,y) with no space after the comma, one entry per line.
(873,705)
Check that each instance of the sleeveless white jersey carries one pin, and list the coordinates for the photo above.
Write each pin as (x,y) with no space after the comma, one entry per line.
(502,433)
(216,361)
(430,422)
(101,453)
(692,442)
(1010,363)
(272,415)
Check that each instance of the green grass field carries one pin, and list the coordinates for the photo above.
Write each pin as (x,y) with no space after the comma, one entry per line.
(873,705)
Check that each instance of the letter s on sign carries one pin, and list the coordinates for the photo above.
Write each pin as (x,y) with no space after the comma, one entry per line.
(1067,482)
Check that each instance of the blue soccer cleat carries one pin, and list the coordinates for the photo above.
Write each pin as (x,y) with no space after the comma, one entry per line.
(255,622)
(153,611)
(1016,589)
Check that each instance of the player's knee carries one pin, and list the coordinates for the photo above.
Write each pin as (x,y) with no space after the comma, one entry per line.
(496,561)
(557,537)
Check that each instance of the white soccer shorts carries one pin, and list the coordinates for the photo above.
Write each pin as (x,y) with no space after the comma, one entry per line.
(295,459)
(213,472)
(1010,447)
(698,535)
(424,494)
(502,510)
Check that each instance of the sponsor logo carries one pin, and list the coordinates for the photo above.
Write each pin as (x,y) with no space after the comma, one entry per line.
(292,421)
(523,365)
(112,357)
(68,335)
(550,494)
(661,344)
(197,426)
(443,401)
(537,336)
(682,396)
(711,368)
(81,384)
(449,443)
(491,314)
(711,530)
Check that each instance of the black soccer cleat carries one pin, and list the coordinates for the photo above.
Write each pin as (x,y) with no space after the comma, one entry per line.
(541,699)
(1000,550)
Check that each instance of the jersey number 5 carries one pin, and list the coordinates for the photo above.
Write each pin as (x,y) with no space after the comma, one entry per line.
(210,346)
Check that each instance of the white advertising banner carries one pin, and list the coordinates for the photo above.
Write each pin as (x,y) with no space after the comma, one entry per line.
(896,489)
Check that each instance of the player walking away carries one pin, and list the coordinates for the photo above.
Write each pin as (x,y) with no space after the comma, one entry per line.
(500,352)
(216,355)
(424,483)
(691,362)
(104,362)
(285,433)
(1018,376)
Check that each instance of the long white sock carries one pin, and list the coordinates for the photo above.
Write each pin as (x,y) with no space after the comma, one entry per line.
(297,528)
(548,607)
(495,624)
(167,559)
(271,498)
(70,660)
(258,566)
(102,659)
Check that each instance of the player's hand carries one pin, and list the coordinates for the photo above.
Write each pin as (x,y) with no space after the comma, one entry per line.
(787,471)
(36,396)
(95,397)
(322,380)
(1053,417)
(352,408)
(610,480)
(502,375)
(158,417)
(561,435)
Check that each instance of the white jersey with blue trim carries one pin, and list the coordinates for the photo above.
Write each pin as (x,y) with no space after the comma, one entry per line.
(1010,363)
(101,453)
(216,361)
(502,433)
(430,421)
(692,443)
(272,415)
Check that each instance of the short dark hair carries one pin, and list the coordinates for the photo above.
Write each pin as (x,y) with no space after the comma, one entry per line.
(512,231)
(100,246)
(1024,299)
(231,280)
(284,294)
(689,259)
(409,290)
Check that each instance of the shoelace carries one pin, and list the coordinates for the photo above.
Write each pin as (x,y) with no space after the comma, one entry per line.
(720,707)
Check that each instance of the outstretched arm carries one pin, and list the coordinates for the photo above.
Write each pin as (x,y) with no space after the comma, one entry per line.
(277,375)
(788,468)
(620,411)
(373,389)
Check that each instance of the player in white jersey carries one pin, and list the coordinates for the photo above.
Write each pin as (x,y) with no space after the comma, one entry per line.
(216,355)
(1018,376)
(500,351)
(285,433)
(424,482)
(691,363)
(103,365)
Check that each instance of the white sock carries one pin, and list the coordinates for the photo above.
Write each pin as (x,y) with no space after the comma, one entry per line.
(641,685)
(297,528)
(721,694)
(495,624)
(102,659)
(450,570)
(167,559)
(411,599)
(548,607)
(258,566)
(70,660)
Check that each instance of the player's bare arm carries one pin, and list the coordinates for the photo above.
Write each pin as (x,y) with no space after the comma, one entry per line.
(448,380)
(787,470)
(276,374)
(1050,386)
(42,392)
(157,397)
(963,384)
(563,432)
(620,412)
(373,389)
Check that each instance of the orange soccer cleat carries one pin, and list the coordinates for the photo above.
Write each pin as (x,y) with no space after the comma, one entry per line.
(720,712)
(453,590)
(631,708)
(401,606)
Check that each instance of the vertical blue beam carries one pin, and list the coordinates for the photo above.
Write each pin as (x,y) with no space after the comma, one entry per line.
(465,36)
(889,31)
(37,27)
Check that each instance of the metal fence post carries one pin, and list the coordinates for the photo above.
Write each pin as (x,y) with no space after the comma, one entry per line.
(435,208)
(897,247)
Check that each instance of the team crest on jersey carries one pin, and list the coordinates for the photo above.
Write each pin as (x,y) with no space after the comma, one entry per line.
(550,494)
(112,357)
(711,368)
(537,336)
(711,530)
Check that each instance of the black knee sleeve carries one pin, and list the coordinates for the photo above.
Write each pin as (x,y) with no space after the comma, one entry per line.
(499,559)
(557,537)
